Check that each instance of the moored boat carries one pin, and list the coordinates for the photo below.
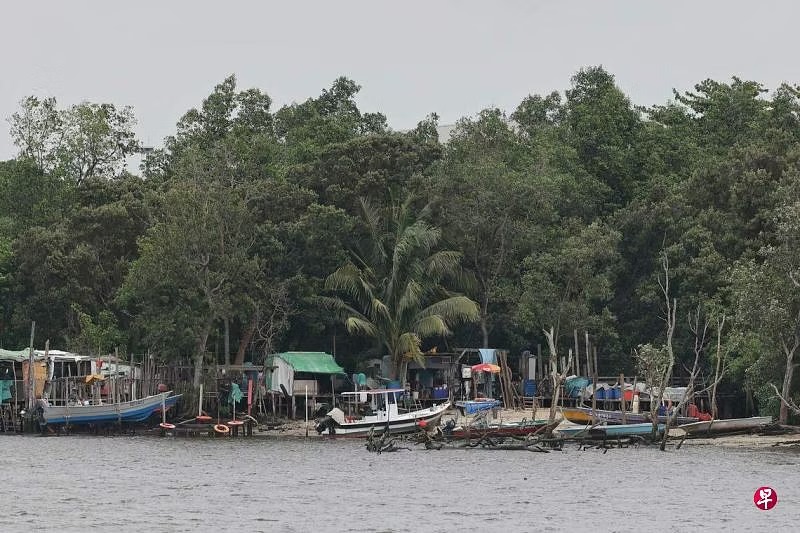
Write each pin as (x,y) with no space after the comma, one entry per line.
(382,414)
(611,430)
(583,415)
(507,429)
(728,425)
(131,411)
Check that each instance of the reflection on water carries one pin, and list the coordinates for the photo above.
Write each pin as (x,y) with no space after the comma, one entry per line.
(151,484)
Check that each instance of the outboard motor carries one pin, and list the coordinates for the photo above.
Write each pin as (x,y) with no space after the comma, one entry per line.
(326,422)
(321,410)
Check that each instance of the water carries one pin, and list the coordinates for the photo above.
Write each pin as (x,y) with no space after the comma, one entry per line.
(149,484)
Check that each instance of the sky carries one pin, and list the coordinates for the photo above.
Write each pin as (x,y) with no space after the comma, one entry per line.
(411,57)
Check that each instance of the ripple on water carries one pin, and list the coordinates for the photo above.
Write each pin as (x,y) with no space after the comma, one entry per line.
(141,483)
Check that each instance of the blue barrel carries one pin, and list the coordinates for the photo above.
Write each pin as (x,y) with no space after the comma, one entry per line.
(600,394)
(529,387)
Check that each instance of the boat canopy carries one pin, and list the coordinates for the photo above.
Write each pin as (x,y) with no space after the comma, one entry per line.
(373,392)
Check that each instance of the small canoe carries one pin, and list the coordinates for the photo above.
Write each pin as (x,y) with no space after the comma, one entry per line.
(615,430)
(729,425)
(518,429)
(583,415)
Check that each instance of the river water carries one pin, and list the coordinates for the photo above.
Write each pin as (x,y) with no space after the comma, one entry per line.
(148,484)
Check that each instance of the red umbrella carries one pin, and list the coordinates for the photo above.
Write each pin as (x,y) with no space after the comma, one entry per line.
(486,367)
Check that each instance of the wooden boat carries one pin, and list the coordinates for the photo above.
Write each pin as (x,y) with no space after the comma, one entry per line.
(611,430)
(583,415)
(382,414)
(729,425)
(132,411)
(508,429)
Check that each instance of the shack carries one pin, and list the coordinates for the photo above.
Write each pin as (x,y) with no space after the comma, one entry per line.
(292,374)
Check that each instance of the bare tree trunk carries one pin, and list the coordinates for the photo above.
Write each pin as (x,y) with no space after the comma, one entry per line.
(787,382)
(669,319)
(718,368)
(484,332)
(200,353)
(247,336)
(227,341)
(557,377)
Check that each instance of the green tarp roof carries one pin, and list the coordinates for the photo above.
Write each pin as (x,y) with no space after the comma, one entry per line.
(10,355)
(314,362)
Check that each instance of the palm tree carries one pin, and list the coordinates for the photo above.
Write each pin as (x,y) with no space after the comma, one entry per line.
(396,291)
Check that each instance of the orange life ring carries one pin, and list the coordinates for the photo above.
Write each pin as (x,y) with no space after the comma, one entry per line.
(166,425)
(235,423)
(222,429)
(202,419)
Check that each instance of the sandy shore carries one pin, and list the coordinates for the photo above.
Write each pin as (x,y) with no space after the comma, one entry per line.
(298,428)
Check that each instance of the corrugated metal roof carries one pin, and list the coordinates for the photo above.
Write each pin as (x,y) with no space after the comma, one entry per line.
(313,362)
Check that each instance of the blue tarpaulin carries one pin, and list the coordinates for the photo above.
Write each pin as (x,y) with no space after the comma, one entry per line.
(488,355)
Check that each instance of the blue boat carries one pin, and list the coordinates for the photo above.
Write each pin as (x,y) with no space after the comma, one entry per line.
(601,432)
(133,411)
(628,430)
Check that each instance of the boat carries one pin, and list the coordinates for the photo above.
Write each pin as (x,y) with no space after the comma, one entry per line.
(728,425)
(378,411)
(583,415)
(610,430)
(507,429)
(132,411)
(470,407)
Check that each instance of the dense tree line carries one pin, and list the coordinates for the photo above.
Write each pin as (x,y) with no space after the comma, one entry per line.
(315,225)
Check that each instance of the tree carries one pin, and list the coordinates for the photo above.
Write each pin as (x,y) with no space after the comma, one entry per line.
(192,262)
(767,298)
(568,285)
(604,129)
(395,287)
(493,209)
(76,143)
(333,117)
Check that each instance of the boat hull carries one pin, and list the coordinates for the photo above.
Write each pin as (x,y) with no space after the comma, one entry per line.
(730,425)
(133,411)
(617,430)
(583,415)
(405,423)
(497,430)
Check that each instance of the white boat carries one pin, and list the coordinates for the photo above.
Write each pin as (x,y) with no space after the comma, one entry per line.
(728,425)
(132,411)
(377,410)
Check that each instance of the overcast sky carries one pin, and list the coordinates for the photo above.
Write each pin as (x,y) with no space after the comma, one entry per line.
(410,56)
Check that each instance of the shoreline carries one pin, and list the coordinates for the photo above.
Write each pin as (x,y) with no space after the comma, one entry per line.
(295,429)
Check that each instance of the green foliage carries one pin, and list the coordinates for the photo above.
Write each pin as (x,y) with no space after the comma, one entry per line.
(97,336)
(76,143)
(568,285)
(395,290)
(552,216)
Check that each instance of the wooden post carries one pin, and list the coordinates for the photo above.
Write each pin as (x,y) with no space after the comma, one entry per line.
(594,388)
(577,350)
(31,378)
(539,363)
(333,392)
(588,355)
(622,398)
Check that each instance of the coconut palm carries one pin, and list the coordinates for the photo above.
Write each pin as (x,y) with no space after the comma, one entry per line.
(395,292)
